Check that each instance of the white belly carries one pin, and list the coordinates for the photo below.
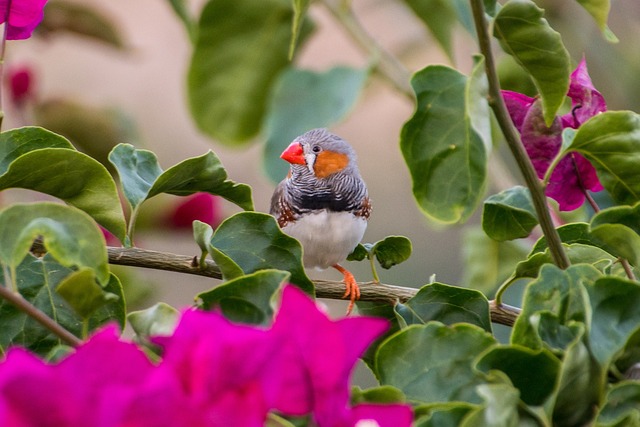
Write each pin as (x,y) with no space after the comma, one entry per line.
(327,238)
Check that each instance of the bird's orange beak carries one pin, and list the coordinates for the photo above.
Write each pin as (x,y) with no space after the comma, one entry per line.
(294,154)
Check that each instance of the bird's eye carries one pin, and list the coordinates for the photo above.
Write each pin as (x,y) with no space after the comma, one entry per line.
(316,149)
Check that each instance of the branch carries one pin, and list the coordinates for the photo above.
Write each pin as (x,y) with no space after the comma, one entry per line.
(513,140)
(369,291)
(388,65)
(32,311)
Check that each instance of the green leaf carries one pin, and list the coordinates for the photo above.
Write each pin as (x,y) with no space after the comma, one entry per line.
(256,292)
(38,279)
(486,262)
(385,311)
(392,250)
(577,253)
(359,253)
(500,407)
(158,320)
(69,235)
(509,214)
(561,295)
(440,138)
(303,100)
(579,371)
(254,242)
(575,232)
(202,234)
(599,9)
(448,414)
(439,17)
(619,229)
(300,8)
(182,11)
(449,305)
(611,142)
(79,19)
(526,36)
(615,318)
(36,159)
(535,384)
(621,407)
(83,294)
(441,360)
(234,64)
(380,394)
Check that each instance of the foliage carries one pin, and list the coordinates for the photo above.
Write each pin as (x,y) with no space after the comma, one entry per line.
(569,359)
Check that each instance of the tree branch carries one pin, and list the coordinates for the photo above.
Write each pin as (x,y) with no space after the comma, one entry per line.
(513,140)
(39,316)
(370,291)
(387,65)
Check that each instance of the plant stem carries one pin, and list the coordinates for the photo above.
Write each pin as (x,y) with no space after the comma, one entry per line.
(388,65)
(496,103)
(39,316)
(3,45)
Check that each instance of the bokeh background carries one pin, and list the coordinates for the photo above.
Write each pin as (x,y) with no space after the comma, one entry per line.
(137,94)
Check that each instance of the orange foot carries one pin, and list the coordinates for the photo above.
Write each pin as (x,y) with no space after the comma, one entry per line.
(352,291)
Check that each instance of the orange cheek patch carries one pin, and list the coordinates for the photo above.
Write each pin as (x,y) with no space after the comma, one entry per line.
(329,162)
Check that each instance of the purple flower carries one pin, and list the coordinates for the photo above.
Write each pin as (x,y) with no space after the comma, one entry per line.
(23,16)
(573,175)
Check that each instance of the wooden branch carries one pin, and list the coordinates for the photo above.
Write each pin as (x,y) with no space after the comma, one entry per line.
(370,291)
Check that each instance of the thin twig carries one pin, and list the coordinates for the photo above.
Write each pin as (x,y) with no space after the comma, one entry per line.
(387,64)
(513,139)
(370,291)
(39,316)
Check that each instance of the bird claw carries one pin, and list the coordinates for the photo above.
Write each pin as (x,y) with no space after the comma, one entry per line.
(352,290)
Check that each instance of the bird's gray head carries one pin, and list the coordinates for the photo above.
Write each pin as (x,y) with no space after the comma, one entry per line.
(323,153)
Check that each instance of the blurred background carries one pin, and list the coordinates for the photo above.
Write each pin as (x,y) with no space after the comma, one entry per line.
(128,84)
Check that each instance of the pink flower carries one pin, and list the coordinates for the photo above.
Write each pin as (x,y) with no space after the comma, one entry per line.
(20,83)
(574,174)
(224,369)
(203,207)
(318,357)
(23,16)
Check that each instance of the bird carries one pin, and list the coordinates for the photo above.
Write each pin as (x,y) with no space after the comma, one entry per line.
(323,203)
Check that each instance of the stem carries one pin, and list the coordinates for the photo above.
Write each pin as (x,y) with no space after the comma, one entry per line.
(513,140)
(503,287)
(376,278)
(388,65)
(3,44)
(39,316)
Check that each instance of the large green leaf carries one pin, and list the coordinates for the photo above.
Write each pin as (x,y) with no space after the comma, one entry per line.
(447,304)
(509,214)
(611,142)
(441,360)
(526,36)
(619,229)
(599,9)
(253,242)
(615,318)
(36,159)
(517,362)
(444,150)
(69,235)
(38,279)
(240,48)
(247,299)
(580,385)
(449,414)
(303,100)
(621,407)
(556,298)
(300,8)
(80,290)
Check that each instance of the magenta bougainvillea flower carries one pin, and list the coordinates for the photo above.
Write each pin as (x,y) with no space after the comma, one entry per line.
(573,175)
(22,16)
(203,207)
(213,373)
